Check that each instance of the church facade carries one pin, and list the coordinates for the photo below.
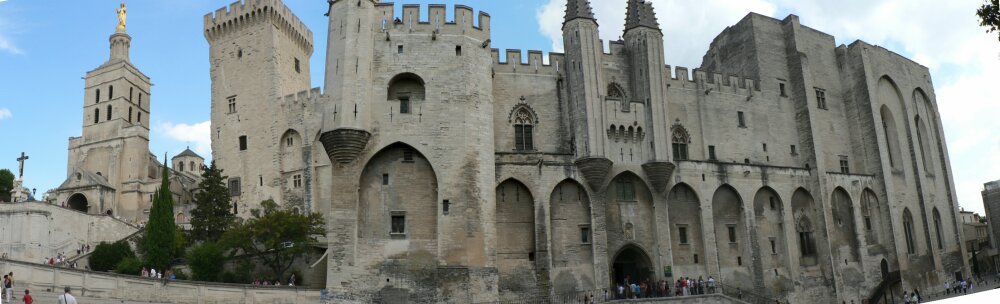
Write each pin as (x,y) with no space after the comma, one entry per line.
(785,164)
(110,169)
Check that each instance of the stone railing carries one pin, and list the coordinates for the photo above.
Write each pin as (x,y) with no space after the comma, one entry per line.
(132,288)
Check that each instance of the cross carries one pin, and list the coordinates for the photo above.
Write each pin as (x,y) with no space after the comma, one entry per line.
(20,161)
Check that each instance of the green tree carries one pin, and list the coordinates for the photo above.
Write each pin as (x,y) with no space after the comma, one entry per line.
(108,255)
(212,214)
(989,16)
(129,265)
(6,184)
(275,236)
(160,243)
(206,261)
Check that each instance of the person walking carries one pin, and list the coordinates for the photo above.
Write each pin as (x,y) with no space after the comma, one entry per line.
(27,297)
(711,284)
(947,288)
(66,297)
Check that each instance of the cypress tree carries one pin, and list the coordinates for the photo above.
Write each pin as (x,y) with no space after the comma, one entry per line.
(212,214)
(160,229)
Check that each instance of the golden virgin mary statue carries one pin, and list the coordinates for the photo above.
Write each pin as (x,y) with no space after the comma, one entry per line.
(121,18)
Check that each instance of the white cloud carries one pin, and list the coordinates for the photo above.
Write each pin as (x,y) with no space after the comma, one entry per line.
(5,113)
(198,135)
(943,35)
(6,44)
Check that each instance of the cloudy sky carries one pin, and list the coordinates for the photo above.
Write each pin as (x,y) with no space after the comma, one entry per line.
(45,51)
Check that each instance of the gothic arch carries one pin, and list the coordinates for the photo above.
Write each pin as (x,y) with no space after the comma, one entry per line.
(398,198)
(572,238)
(729,226)
(890,97)
(845,231)
(616,92)
(875,220)
(515,230)
(686,230)
(910,232)
(808,227)
(631,262)
(938,227)
(522,112)
(290,149)
(630,216)
(923,143)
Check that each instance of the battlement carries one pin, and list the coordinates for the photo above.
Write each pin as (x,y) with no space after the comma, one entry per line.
(536,63)
(301,97)
(243,13)
(462,22)
(713,79)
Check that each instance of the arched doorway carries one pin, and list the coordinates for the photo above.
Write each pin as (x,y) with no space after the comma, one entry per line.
(515,226)
(632,263)
(79,202)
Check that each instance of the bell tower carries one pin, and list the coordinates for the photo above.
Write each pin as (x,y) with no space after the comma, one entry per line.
(115,140)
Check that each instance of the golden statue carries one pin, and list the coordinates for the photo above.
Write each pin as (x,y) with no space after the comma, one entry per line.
(121,18)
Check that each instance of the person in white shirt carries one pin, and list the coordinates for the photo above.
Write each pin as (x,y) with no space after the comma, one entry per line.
(66,297)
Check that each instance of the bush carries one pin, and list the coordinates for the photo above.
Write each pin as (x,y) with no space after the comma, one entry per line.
(129,265)
(206,262)
(107,256)
(180,275)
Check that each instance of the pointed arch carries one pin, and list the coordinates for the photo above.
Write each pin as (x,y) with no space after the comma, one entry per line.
(630,214)
(807,219)
(730,226)
(924,145)
(631,263)
(616,92)
(79,202)
(875,220)
(572,238)
(686,230)
(524,119)
(398,194)
(515,228)
(845,231)
(680,139)
(939,235)
(889,96)
(909,232)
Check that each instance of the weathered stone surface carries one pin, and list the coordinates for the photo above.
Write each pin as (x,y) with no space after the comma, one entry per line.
(344,145)
(594,169)
(659,173)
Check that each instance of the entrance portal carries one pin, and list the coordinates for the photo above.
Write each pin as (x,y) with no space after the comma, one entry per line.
(78,202)
(631,263)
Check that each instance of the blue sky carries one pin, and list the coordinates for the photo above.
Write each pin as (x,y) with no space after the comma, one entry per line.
(47,46)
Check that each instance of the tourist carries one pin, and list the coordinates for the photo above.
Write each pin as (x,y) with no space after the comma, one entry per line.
(965,287)
(947,287)
(906,298)
(621,291)
(970,284)
(66,297)
(8,286)
(27,297)
(291,280)
(711,285)
(701,286)
(684,286)
(914,299)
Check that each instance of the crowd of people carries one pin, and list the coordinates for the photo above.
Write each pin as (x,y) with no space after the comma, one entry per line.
(684,286)
(7,292)
(275,282)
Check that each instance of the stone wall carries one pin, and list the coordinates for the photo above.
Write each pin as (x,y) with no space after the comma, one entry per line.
(131,288)
(33,231)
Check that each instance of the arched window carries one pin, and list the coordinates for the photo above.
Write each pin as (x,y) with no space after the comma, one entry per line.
(192,167)
(111,92)
(523,126)
(97,96)
(911,246)
(97,115)
(109,113)
(129,114)
(181,165)
(680,141)
(925,148)
(937,228)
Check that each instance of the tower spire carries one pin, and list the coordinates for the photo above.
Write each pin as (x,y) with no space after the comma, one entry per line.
(640,13)
(578,9)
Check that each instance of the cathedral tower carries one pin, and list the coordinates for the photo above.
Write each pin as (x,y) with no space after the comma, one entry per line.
(114,148)
(259,52)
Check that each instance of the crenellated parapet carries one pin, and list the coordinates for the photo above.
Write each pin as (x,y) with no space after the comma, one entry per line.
(534,65)
(241,14)
(302,97)
(464,20)
(712,80)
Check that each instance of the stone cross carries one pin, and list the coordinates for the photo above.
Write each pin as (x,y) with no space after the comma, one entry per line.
(20,161)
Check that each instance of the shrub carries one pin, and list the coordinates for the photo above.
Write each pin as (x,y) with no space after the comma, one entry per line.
(107,256)
(129,265)
(206,262)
